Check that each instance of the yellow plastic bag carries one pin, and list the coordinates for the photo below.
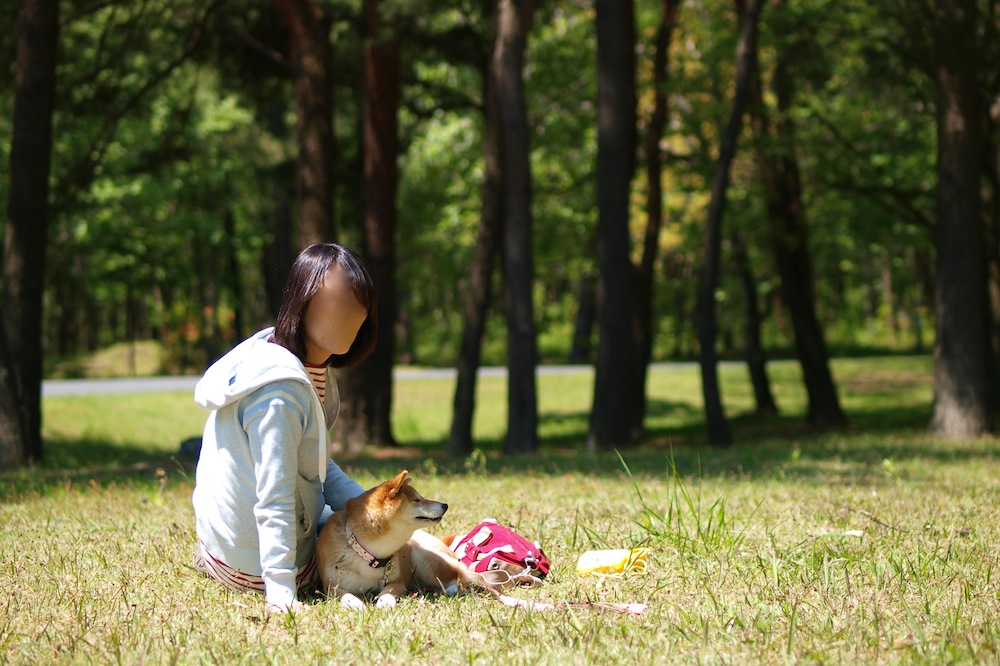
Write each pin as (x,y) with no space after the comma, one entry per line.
(612,561)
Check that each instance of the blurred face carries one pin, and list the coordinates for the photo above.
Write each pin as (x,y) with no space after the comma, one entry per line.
(333,317)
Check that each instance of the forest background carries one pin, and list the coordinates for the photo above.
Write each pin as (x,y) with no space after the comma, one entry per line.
(608,182)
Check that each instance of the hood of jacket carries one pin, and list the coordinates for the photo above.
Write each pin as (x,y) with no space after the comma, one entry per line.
(249,366)
(245,368)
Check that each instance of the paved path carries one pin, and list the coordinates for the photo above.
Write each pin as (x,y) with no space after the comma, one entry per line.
(61,387)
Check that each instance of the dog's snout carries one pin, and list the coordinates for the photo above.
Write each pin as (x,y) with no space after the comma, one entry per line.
(432,510)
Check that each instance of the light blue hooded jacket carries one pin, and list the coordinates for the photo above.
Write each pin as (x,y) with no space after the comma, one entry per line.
(265,472)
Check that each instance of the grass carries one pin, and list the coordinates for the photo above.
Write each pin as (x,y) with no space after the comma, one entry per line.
(124,359)
(877,544)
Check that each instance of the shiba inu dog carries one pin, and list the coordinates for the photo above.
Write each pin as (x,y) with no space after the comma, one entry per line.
(375,546)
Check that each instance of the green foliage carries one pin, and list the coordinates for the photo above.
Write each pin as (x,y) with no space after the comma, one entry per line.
(157,146)
(439,203)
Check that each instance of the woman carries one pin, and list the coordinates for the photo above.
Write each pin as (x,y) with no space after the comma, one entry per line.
(265,475)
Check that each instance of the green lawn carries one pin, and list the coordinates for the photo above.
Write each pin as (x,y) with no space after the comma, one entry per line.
(876,544)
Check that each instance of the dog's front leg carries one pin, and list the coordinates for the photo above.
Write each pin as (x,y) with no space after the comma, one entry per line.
(385,600)
(348,600)
(387,597)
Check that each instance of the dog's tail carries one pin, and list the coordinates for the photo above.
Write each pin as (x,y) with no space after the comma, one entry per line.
(622,608)
(484,583)
(501,578)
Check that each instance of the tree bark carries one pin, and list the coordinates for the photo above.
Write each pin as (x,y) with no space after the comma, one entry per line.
(791,248)
(513,20)
(789,243)
(677,271)
(755,356)
(233,277)
(586,316)
(279,254)
(990,207)
(368,408)
(207,281)
(960,355)
(25,235)
(614,409)
(654,209)
(381,155)
(479,293)
(746,56)
(69,301)
(309,31)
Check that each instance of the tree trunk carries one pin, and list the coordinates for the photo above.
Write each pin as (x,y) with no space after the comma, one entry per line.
(234,281)
(795,268)
(992,248)
(786,221)
(746,55)
(513,20)
(406,351)
(381,155)
(278,257)
(586,315)
(960,355)
(614,409)
(25,233)
(923,268)
(654,209)
(279,254)
(990,207)
(888,298)
(367,420)
(677,272)
(309,30)
(66,289)
(478,295)
(756,358)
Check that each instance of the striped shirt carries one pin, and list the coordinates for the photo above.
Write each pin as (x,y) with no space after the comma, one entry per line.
(317,373)
(306,581)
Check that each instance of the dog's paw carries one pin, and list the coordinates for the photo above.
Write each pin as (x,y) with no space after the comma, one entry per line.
(351,601)
(385,601)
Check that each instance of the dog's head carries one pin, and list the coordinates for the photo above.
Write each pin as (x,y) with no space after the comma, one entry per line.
(397,501)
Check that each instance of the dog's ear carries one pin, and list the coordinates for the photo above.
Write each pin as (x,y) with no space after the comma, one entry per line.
(397,483)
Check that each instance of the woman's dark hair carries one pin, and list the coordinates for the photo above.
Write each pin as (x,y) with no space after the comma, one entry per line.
(305,279)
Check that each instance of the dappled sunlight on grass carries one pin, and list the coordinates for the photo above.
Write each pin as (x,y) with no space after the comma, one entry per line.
(869,544)
(889,396)
(783,551)
(154,422)
(890,392)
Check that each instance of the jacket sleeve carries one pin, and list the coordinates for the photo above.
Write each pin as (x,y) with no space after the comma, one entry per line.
(339,487)
(275,419)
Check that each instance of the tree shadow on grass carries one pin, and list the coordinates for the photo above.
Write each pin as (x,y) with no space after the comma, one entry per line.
(93,462)
(571,428)
(764,446)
